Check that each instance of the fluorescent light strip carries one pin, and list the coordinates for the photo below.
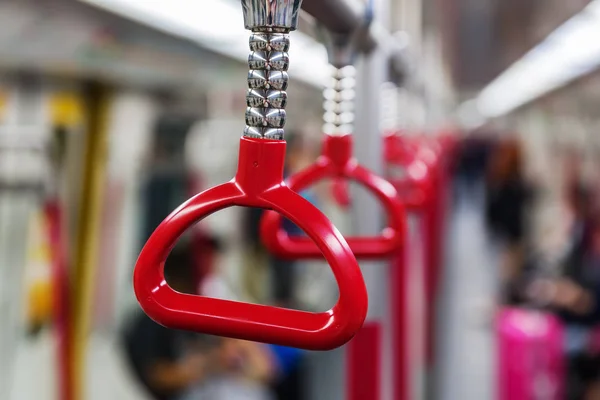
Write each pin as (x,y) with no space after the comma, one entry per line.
(571,51)
(218,26)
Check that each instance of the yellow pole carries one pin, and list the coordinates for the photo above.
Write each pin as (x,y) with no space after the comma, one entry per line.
(88,232)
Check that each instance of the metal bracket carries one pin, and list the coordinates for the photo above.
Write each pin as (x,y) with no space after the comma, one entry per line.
(342,48)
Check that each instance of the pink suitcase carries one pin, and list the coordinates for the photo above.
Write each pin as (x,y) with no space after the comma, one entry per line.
(531,362)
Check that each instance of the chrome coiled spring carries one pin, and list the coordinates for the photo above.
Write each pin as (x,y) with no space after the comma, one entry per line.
(339,102)
(267,83)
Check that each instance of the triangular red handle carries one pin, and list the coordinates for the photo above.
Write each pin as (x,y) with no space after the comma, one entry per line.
(258,183)
(414,196)
(336,161)
(416,189)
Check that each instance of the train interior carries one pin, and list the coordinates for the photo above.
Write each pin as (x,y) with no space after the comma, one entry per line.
(469,128)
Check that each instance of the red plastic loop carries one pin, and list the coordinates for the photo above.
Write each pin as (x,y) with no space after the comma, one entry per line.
(258,183)
(337,161)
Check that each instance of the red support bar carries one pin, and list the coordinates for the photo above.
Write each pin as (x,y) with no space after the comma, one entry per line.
(400,328)
(364,363)
(432,225)
(61,292)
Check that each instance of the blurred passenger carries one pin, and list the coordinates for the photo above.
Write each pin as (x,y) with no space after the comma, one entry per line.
(577,295)
(280,365)
(168,362)
(180,365)
(241,370)
(288,383)
(508,199)
(576,268)
(471,161)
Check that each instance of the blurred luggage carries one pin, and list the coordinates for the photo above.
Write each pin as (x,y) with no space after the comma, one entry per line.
(531,364)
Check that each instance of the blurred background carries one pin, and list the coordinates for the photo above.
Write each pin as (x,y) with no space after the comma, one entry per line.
(114,112)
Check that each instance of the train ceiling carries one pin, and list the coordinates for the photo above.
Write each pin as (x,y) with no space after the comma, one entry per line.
(484,37)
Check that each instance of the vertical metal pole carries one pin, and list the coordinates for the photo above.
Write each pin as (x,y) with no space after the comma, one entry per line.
(332,380)
(410,20)
(86,251)
(366,212)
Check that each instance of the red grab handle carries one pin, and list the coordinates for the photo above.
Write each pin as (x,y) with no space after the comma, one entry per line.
(336,161)
(258,183)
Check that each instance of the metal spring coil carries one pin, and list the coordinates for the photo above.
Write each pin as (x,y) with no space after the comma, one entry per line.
(267,83)
(339,102)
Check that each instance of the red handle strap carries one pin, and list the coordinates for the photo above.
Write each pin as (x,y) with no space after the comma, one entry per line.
(60,280)
(258,183)
(337,161)
(340,191)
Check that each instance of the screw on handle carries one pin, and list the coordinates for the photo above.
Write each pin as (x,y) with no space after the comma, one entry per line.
(271,15)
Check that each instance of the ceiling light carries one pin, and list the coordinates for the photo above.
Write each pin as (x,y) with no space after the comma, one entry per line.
(569,52)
